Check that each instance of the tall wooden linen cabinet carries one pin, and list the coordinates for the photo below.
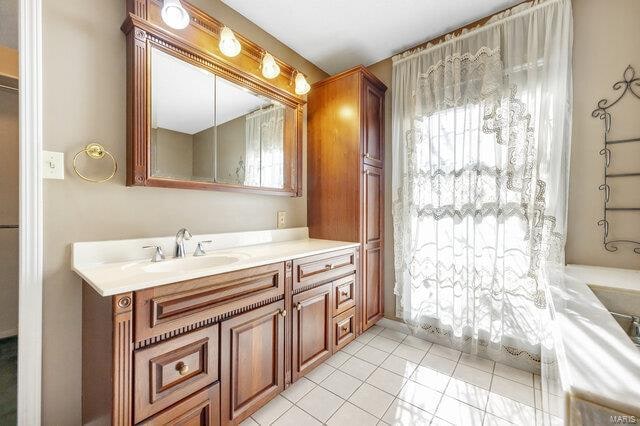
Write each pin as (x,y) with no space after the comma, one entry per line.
(345,160)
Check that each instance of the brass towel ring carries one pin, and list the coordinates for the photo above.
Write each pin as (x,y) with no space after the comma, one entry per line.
(96,152)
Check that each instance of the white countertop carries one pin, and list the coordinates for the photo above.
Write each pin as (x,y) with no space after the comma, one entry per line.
(113,267)
(611,278)
(597,360)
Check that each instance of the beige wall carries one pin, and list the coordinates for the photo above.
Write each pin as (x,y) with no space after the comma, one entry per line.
(84,100)
(8,212)
(8,62)
(231,148)
(599,58)
(204,154)
(606,36)
(172,153)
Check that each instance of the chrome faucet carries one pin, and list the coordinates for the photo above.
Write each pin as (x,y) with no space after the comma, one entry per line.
(199,249)
(183,234)
(158,255)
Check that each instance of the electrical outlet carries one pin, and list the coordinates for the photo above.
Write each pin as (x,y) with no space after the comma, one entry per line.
(52,165)
(282,219)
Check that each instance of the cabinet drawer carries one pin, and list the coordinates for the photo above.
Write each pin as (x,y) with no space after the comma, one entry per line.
(163,309)
(174,369)
(344,293)
(344,329)
(323,267)
(200,409)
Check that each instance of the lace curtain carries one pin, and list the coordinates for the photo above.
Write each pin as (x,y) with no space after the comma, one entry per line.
(264,146)
(481,139)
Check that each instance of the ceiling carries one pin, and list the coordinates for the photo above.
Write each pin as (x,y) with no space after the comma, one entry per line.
(183,96)
(338,34)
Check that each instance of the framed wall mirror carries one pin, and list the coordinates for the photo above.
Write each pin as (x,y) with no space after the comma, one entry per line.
(197,121)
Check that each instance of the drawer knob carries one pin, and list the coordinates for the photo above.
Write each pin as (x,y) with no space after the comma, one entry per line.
(283,313)
(329,266)
(345,328)
(182,368)
(345,293)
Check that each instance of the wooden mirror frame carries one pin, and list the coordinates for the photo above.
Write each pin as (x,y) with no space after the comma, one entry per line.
(197,44)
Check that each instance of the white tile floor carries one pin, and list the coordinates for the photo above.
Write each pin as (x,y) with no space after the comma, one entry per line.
(387,377)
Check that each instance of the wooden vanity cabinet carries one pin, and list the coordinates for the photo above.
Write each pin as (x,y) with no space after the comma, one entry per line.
(252,361)
(325,290)
(200,409)
(174,369)
(311,329)
(345,175)
(214,350)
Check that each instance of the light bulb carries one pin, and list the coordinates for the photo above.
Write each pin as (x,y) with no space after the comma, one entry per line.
(229,44)
(174,15)
(270,68)
(302,86)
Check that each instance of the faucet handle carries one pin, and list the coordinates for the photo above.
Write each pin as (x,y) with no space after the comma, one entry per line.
(199,250)
(158,256)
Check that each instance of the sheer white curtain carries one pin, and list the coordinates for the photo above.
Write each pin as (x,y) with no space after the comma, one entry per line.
(264,146)
(481,139)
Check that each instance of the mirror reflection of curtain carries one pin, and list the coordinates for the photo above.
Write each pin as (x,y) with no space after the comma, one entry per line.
(264,142)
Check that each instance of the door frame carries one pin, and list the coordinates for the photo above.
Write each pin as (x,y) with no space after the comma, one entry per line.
(30,216)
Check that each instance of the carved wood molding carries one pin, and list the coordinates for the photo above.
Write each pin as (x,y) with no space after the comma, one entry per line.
(221,70)
(282,86)
(198,45)
(206,322)
(122,356)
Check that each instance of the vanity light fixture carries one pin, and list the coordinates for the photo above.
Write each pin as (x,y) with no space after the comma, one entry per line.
(174,15)
(229,44)
(270,68)
(302,86)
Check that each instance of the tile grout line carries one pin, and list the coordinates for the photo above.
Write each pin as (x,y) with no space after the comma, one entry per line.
(404,379)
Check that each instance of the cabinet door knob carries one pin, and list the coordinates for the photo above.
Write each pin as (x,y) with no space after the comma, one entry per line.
(299,306)
(182,368)
(283,313)
(367,155)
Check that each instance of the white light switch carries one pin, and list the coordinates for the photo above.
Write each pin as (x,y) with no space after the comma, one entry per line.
(52,165)
(282,219)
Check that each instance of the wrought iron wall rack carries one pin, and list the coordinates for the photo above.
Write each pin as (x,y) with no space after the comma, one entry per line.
(628,86)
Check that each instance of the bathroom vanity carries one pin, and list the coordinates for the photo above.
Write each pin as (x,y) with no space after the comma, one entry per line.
(209,340)
(210,336)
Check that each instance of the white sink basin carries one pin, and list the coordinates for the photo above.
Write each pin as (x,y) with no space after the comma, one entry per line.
(190,263)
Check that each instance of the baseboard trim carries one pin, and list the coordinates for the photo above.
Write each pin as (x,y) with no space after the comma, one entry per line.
(8,333)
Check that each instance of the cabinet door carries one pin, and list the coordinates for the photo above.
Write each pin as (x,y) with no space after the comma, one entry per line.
(373,301)
(251,361)
(373,131)
(311,328)
(373,238)
(200,409)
